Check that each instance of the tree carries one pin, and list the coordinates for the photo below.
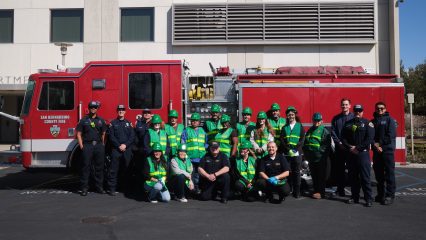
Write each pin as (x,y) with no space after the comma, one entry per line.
(415,82)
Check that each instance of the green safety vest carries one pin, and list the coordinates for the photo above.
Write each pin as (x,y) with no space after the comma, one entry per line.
(185,166)
(292,135)
(262,141)
(223,137)
(160,137)
(247,170)
(244,131)
(174,137)
(277,126)
(195,143)
(158,173)
(213,128)
(312,144)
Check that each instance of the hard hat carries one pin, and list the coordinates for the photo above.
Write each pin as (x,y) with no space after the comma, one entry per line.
(156,146)
(358,108)
(182,148)
(195,117)
(121,107)
(317,117)
(215,108)
(246,145)
(225,118)
(173,113)
(156,119)
(93,104)
(261,115)
(247,110)
(291,109)
(275,107)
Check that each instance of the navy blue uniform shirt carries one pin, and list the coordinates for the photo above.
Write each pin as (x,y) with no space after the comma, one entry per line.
(385,131)
(358,132)
(91,128)
(337,124)
(121,132)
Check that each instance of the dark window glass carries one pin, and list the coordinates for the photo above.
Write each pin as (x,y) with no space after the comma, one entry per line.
(28,97)
(57,96)
(66,25)
(145,90)
(137,24)
(6,26)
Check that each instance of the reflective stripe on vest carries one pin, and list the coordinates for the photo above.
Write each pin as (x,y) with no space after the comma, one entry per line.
(160,137)
(213,129)
(244,131)
(277,126)
(314,139)
(223,137)
(174,136)
(247,170)
(292,135)
(195,143)
(262,141)
(159,173)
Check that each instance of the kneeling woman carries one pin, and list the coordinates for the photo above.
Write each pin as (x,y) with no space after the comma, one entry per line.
(181,171)
(245,172)
(155,175)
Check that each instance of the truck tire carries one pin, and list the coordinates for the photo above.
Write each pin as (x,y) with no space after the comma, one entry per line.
(74,161)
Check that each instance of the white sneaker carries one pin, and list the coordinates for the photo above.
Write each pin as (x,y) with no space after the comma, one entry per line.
(154,201)
(183,200)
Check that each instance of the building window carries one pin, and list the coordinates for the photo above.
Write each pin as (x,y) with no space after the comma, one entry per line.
(58,95)
(145,90)
(6,26)
(137,24)
(66,25)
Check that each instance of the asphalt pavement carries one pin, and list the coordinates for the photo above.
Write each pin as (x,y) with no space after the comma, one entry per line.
(42,204)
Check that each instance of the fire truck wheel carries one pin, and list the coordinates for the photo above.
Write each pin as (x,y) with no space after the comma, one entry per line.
(74,161)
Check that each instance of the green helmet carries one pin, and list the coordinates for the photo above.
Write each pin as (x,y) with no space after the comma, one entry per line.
(156,146)
(291,109)
(182,148)
(247,110)
(195,117)
(173,113)
(156,119)
(275,107)
(246,145)
(225,118)
(215,108)
(261,115)
(317,117)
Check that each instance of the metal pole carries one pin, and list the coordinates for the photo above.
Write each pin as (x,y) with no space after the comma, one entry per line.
(63,59)
(412,130)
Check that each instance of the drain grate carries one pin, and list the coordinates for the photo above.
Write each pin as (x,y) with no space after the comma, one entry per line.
(98,220)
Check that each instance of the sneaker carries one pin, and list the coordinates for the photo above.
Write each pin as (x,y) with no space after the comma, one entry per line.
(154,201)
(182,200)
(388,201)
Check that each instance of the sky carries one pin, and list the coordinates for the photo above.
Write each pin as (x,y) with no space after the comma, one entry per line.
(412,32)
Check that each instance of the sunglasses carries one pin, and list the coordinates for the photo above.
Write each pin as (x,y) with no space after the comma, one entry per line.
(380,108)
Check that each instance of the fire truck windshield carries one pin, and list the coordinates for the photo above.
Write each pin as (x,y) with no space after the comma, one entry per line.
(28,97)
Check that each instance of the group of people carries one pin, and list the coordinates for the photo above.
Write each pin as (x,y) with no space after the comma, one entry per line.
(253,160)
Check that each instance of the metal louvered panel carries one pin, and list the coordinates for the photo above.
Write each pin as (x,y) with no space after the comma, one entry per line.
(273,23)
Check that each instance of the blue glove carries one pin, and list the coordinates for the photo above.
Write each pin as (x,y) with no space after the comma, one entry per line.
(273,180)
(270,180)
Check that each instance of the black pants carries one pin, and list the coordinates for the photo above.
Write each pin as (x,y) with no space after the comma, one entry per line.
(384,170)
(120,167)
(318,171)
(178,186)
(295,164)
(248,194)
(282,190)
(338,168)
(359,175)
(93,162)
(209,189)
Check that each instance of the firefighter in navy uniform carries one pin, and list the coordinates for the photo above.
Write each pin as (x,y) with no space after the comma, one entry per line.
(91,139)
(384,154)
(121,136)
(358,134)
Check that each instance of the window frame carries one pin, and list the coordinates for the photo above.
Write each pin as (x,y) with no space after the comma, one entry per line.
(66,9)
(152,25)
(128,89)
(12,11)
(56,81)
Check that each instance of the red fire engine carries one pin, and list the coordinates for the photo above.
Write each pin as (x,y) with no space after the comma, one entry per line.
(56,100)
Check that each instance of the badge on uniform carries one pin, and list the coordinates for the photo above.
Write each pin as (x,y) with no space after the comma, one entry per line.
(127,124)
(354,127)
(371,124)
(92,124)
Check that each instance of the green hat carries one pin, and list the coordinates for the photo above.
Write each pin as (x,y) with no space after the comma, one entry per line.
(317,117)
(261,115)
(182,148)
(156,147)
(225,118)
(246,144)
(156,119)
(215,108)
(173,113)
(275,107)
(291,109)
(247,110)
(195,117)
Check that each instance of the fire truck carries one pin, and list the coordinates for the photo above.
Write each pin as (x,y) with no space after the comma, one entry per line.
(56,100)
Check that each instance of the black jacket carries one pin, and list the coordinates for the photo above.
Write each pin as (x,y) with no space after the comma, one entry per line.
(385,131)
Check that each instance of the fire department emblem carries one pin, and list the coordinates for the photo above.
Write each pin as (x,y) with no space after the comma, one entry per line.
(54,130)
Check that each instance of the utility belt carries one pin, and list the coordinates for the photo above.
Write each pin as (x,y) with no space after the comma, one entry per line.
(94,143)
